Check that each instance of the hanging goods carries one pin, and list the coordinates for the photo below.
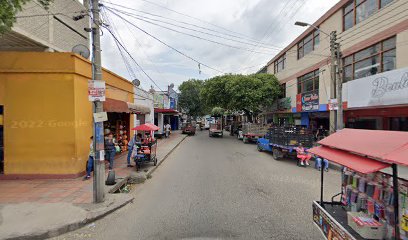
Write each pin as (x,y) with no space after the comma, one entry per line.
(355,181)
(362,185)
(370,189)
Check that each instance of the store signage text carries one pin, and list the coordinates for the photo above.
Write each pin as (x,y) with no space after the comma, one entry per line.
(382,85)
(96,90)
(310,101)
(387,88)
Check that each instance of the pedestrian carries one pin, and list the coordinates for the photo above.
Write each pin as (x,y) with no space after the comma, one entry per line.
(318,164)
(302,155)
(90,162)
(320,133)
(167,128)
(133,143)
(110,150)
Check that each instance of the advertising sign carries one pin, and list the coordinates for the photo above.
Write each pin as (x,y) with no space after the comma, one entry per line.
(96,90)
(333,104)
(298,102)
(310,101)
(387,88)
(330,228)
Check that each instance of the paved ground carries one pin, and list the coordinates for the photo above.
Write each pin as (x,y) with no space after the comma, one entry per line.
(218,188)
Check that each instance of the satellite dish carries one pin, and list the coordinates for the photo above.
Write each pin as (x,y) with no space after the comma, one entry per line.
(136,82)
(81,50)
(171,85)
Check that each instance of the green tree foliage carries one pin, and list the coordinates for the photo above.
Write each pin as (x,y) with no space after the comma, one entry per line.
(190,99)
(236,92)
(9,9)
(217,112)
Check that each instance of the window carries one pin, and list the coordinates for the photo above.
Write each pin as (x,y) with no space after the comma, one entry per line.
(279,64)
(380,57)
(283,90)
(308,44)
(357,11)
(308,82)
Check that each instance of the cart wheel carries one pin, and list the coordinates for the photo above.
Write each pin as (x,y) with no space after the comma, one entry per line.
(259,148)
(276,154)
(155,161)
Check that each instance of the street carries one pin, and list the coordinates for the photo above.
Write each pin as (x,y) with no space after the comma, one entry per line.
(219,188)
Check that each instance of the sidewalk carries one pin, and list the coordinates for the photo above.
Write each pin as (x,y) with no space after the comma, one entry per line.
(35,209)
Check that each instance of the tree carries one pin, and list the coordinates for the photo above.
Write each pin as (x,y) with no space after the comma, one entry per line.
(217,112)
(9,9)
(236,92)
(190,98)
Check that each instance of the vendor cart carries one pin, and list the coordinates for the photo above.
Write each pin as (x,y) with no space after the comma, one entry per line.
(216,129)
(146,150)
(373,201)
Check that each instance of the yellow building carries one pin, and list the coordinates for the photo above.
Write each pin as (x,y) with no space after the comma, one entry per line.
(46,113)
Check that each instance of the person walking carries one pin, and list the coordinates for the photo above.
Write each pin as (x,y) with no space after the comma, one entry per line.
(167,129)
(89,164)
(110,150)
(136,139)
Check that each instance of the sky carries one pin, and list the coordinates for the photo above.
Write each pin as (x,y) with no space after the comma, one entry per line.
(242,36)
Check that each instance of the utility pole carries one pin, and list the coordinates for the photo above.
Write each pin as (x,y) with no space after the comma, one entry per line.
(98,138)
(339,87)
(333,39)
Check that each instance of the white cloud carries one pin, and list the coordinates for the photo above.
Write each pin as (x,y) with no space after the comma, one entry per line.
(251,18)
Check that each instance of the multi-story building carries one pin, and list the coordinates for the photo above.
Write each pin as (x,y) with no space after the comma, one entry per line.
(166,108)
(373,37)
(53,30)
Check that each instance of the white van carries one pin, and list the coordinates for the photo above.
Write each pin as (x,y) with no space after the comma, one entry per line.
(207,121)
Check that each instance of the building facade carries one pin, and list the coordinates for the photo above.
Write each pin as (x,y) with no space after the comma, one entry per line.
(373,37)
(166,108)
(144,105)
(52,30)
(47,117)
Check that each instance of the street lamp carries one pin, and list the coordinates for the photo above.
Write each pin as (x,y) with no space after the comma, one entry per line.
(303,24)
(335,70)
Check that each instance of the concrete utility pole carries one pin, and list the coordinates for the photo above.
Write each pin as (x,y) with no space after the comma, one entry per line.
(98,138)
(333,39)
(339,87)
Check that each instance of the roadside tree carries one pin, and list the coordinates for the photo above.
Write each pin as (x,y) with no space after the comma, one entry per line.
(190,99)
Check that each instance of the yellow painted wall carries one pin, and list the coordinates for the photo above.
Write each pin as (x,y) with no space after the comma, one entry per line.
(48,118)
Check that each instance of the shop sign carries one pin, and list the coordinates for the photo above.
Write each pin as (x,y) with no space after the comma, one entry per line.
(333,104)
(330,228)
(96,90)
(310,101)
(388,88)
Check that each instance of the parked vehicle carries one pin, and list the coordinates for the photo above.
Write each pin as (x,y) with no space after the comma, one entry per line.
(215,130)
(146,151)
(207,121)
(188,128)
(282,141)
(252,131)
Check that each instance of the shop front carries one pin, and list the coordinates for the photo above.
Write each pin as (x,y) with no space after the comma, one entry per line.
(378,102)
(47,115)
(309,112)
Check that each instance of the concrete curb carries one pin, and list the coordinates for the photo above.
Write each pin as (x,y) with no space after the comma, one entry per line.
(91,217)
(165,157)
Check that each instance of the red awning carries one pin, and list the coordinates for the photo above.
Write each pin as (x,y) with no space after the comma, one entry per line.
(147,127)
(113,105)
(387,146)
(355,162)
(165,110)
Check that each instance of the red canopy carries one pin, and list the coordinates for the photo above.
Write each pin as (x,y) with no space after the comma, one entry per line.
(146,127)
(165,110)
(357,163)
(388,146)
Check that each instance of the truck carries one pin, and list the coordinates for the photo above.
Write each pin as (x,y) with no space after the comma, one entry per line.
(215,129)
(207,121)
(250,132)
(282,141)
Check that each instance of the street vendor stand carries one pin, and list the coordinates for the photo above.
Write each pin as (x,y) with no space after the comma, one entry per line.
(373,204)
(146,150)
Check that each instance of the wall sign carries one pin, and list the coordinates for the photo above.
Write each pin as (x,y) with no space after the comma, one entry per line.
(388,88)
(310,101)
(96,90)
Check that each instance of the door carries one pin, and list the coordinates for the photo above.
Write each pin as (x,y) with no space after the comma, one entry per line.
(1,141)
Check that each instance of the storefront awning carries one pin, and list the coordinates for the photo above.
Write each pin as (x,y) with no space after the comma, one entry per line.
(355,162)
(113,105)
(388,146)
(165,110)
(138,109)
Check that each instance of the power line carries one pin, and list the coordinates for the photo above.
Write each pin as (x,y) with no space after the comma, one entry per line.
(198,37)
(194,25)
(142,18)
(169,46)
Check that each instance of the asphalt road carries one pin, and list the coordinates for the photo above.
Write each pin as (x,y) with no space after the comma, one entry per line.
(219,188)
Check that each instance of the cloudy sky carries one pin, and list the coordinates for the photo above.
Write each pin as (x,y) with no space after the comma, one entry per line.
(237,27)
